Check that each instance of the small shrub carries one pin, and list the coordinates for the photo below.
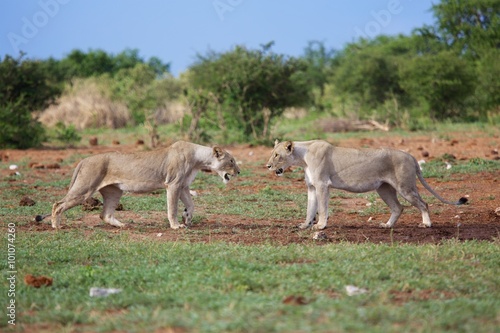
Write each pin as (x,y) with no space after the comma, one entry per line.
(17,128)
(67,134)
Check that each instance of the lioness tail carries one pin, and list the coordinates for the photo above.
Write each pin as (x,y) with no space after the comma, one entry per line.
(460,201)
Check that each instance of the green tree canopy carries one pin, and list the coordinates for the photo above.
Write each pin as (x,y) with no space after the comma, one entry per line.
(24,88)
(469,27)
(252,86)
(443,81)
(97,62)
(367,71)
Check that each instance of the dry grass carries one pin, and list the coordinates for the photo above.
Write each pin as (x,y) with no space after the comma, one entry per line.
(170,112)
(84,105)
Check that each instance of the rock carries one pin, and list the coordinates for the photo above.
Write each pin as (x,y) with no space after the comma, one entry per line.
(295,300)
(35,165)
(353,290)
(37,281)
(103,292)
(320,235)
(91,204)
(53,166)
(93,141)
(26,201)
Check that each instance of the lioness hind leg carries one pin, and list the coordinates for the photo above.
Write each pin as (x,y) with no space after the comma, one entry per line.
(390,197)
(61,206)
(414,198)
(111,197)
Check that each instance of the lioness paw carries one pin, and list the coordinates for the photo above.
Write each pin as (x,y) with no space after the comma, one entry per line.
(178,226)
(319,226)
(304,225)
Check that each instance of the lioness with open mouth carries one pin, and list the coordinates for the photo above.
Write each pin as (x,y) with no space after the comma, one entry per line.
(387,171)
(174,167)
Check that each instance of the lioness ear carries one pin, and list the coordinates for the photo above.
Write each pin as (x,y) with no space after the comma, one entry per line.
(289,146)
(276,142)
(218,152)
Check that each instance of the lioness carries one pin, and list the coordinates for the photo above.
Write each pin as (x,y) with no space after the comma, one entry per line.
(386,171)
(174,167)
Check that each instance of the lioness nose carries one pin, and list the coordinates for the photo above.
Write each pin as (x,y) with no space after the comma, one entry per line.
(269,166)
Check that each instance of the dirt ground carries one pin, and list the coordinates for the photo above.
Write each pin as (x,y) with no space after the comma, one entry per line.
(479,219)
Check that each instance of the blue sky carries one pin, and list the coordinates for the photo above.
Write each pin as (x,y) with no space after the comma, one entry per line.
(175,31)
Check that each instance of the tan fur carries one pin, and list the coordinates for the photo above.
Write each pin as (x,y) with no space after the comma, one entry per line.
(389,172)
(173,168)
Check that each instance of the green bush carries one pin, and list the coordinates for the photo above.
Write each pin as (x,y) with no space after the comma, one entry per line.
(24,88)
(67,134)
(17,128)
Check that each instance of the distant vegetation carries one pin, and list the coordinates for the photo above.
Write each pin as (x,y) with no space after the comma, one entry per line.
(449,71)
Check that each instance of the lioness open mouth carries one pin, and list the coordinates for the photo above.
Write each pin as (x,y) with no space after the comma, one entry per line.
(279,172)
(227,177)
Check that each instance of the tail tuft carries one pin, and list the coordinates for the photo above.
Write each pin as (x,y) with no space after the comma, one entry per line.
(40,218)
(462,201)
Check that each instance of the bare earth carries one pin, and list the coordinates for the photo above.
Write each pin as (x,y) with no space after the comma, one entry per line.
(476,220)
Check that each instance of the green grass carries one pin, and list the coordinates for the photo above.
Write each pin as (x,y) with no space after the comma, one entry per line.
(437,167)
(220,287)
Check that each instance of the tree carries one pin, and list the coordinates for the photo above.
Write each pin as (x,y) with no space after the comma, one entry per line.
(319,62)
(443,81)
(469,27)
(133,86)
(488,81)
(252,87)
(367,71)
(97,62)
(24,88)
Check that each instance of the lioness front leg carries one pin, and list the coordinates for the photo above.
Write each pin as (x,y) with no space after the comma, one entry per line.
(173,195)
(312,207)
(186,199)
(322,196)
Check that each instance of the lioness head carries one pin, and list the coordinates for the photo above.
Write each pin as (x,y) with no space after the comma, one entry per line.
(224,164)
(281,157)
